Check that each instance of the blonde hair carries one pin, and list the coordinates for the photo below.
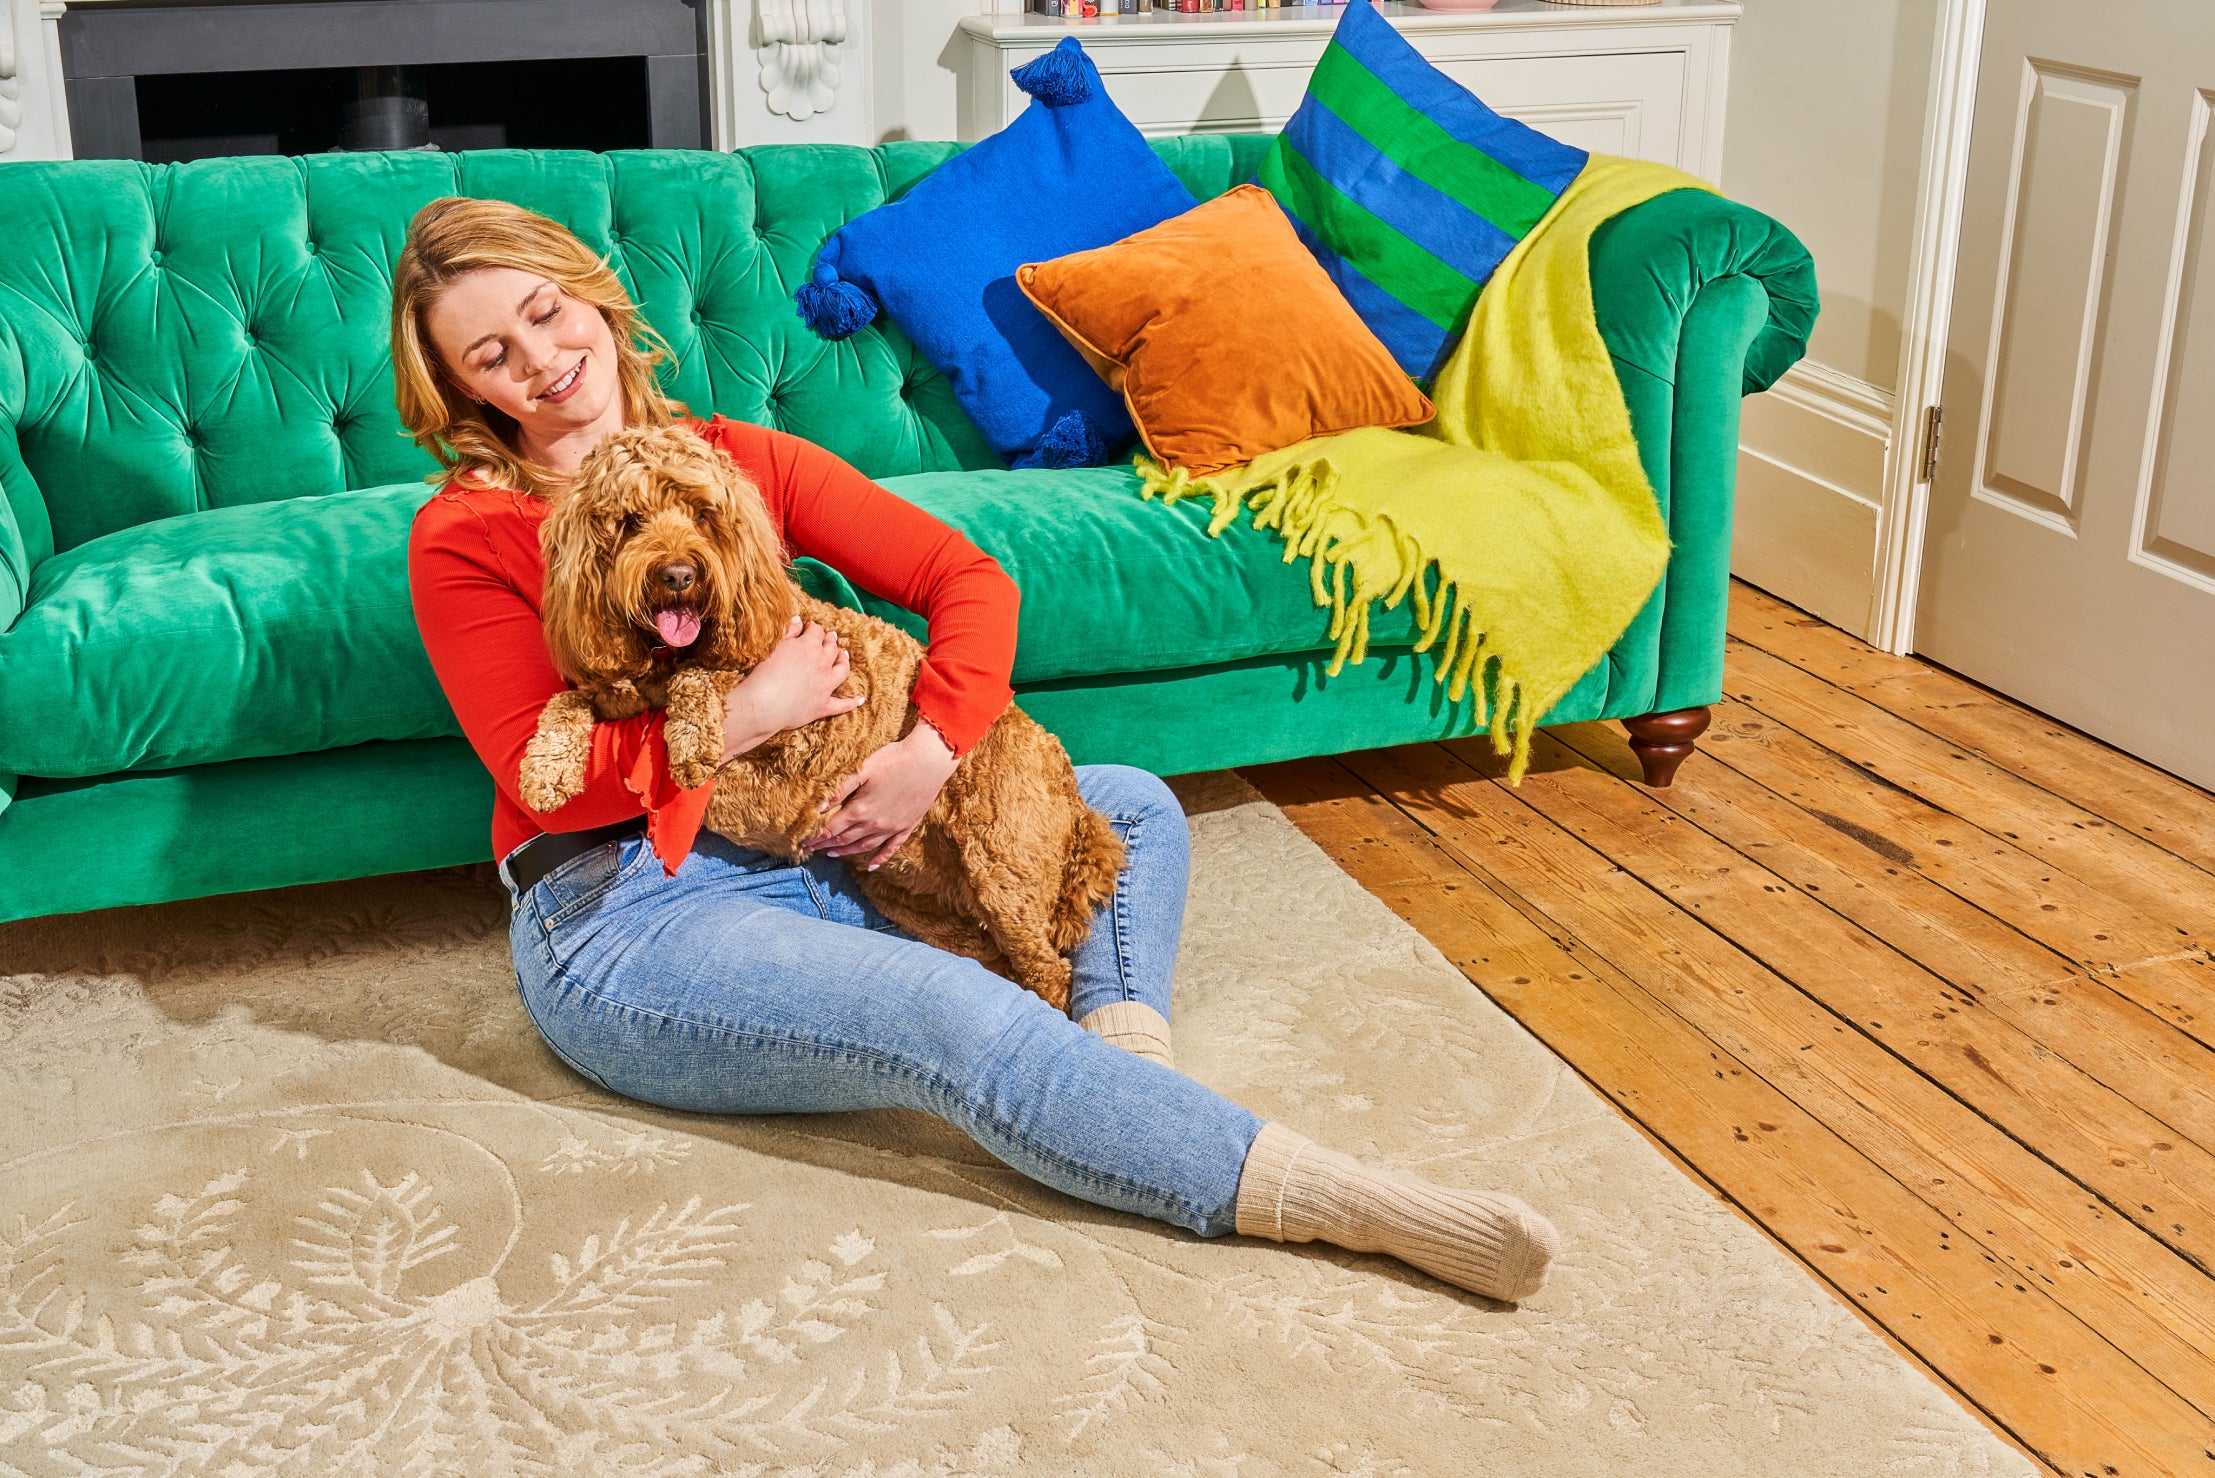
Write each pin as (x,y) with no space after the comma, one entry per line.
(456,235)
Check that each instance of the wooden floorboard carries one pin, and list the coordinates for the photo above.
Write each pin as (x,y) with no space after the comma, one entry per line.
(2050,827)
(2169,812)
(2170,972)
(1914,979)
(2076,1014)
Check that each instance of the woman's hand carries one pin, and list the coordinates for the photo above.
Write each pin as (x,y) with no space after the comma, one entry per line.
(796,684)
(877,808)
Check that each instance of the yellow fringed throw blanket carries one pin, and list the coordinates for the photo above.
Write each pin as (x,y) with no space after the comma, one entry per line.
(1525,495)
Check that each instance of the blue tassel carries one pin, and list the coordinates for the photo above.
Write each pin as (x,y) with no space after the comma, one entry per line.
(1073,442)
(832,307)
(1058,78)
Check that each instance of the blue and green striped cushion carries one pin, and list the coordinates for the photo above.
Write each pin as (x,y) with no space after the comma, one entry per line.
(1407,189)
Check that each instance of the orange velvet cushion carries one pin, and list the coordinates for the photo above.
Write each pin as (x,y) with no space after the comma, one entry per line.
(1224,336)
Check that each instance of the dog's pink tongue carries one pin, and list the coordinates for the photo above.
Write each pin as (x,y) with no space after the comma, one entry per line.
(679,626)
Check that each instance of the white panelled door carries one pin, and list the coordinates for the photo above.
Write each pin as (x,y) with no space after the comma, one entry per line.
(2070,554)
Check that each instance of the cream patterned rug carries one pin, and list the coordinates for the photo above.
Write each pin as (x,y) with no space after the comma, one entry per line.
(288,1185)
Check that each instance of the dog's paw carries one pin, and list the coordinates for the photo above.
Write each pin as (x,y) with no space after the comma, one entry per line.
(539,793)
(547,783)
(690,774)
(559,754)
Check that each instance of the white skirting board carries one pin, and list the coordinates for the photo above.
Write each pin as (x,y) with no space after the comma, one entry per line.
(1811,469)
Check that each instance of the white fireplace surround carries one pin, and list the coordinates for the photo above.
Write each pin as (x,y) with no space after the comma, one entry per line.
(34,118)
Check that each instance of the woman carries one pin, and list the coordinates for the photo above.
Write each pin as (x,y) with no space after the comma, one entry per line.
(743,984)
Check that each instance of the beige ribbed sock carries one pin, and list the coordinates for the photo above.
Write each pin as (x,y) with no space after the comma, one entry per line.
(1135,1027)
(1294,1190)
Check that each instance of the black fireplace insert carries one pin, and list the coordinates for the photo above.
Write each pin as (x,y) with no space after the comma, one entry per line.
(165,82)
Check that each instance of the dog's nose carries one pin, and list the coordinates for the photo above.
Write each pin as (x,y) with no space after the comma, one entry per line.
(677,578)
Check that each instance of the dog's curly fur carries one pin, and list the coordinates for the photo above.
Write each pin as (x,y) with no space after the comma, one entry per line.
(1009,864)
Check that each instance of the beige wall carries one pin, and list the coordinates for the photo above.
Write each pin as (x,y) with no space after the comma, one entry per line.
(1826,129)
(914,81)
(1827,104)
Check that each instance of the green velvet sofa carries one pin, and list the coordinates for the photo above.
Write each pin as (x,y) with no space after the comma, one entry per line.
(210,679)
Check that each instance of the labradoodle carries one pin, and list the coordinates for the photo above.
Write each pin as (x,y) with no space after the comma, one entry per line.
(666,584)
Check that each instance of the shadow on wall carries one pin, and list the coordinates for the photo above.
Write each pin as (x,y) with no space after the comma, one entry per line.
(1232,106)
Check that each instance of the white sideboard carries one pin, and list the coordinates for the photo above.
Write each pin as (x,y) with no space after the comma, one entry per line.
(1646,81)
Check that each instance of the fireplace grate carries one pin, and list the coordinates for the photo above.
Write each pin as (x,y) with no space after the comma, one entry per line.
(186,79)
(575,103)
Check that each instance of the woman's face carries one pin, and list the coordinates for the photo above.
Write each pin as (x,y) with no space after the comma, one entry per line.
(515,341)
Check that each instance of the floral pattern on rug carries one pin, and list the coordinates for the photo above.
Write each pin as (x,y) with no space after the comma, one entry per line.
(393,1331)
(289,1186)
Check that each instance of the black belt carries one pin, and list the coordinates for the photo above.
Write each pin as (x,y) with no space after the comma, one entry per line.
(532,861)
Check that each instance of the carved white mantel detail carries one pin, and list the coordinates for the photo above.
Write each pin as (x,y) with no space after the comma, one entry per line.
(798,51)
(11,85)
(34,118)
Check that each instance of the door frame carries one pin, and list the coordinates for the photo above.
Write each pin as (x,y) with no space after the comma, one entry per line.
(1943,185)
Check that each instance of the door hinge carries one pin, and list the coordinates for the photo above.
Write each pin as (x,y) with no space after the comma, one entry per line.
(1933,417)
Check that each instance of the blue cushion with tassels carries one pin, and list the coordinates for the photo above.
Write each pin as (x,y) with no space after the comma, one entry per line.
(1069,175)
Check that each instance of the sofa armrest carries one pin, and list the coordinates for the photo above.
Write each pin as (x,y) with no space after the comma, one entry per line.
(1701,301)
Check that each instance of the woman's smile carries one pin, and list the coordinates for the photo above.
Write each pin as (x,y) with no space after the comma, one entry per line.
(566,386)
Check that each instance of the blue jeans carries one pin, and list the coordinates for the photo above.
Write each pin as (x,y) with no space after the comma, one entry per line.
(748,985)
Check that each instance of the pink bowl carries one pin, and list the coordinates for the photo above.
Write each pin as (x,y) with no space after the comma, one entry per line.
(1459,4)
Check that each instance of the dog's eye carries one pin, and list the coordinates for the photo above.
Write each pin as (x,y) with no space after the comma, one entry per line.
(631,523)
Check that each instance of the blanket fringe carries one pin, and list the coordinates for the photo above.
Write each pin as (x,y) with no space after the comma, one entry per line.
(1299,504)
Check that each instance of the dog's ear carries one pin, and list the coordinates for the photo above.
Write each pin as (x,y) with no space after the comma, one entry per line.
(755,593)
(588,640)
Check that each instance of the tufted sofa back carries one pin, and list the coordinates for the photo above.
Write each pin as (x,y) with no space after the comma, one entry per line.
(182,337)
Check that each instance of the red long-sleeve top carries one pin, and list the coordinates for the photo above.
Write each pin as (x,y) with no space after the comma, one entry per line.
(475,572)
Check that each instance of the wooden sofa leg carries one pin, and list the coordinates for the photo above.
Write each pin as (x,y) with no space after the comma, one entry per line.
(1663,740)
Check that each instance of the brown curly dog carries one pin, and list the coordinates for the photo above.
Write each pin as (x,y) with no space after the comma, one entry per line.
(666,584)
